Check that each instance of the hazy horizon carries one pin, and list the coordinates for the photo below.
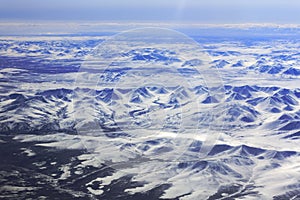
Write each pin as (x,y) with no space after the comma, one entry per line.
(180,11)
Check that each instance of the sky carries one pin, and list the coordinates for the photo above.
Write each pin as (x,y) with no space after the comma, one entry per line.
(199,11)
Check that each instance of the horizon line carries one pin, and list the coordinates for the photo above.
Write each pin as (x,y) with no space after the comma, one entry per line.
(152,23)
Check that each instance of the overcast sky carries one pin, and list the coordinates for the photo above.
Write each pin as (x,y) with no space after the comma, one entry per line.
(200,11)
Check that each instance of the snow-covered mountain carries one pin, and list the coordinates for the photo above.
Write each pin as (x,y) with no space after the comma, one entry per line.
(53,110)
(156,117)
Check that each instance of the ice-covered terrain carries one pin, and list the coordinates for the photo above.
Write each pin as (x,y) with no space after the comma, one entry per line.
(145,116)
